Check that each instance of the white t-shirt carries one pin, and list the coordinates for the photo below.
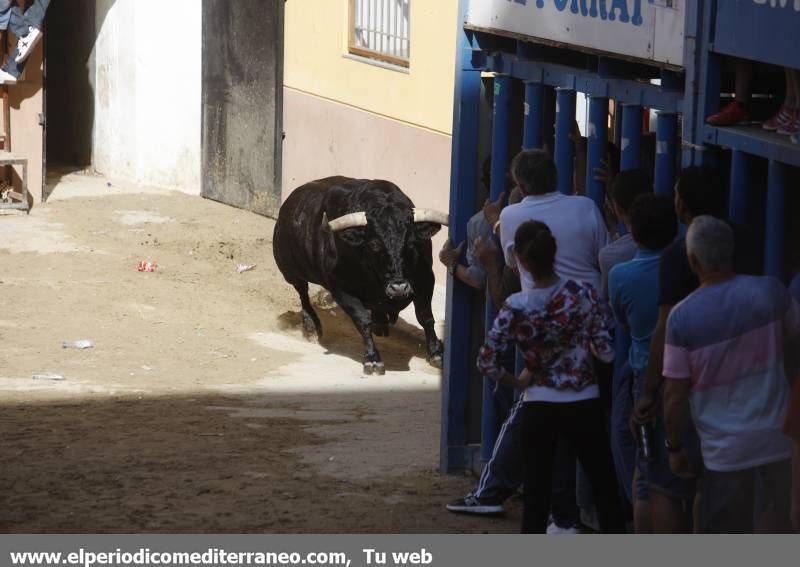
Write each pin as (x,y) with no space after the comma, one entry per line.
(576,224)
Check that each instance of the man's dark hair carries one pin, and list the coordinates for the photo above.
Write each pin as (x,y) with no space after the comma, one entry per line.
(535,172)
(654,224)
(628,185)
(535,245)
(700,188)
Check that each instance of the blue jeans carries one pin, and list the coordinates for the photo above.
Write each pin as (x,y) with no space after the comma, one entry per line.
(623,445)
(657,473)
(19,23)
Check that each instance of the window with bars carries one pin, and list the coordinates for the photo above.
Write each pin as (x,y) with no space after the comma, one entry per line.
(379,29)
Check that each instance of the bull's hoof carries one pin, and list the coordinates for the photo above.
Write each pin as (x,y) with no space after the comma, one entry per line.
(435,361)
(311,335)
(312,331)
(377,368)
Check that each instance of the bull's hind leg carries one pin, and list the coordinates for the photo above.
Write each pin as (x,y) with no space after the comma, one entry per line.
(311,325)
(362,319)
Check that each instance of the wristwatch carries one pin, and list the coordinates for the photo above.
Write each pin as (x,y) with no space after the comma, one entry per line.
(451,269)
(672,448)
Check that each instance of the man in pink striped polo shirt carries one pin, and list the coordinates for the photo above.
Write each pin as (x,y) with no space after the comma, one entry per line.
(724,360)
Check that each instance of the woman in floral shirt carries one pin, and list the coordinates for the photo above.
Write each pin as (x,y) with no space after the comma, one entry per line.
(560,327)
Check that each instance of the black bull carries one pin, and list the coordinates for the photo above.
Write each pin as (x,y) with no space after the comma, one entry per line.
(374,263)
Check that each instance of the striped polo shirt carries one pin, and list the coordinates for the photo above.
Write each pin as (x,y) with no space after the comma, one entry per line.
(728,339)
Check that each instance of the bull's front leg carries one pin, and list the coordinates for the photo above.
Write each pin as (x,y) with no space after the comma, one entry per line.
(422,308)
(362,319)
(423,295)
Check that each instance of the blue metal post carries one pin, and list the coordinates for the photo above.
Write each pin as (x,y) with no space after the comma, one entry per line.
(597,134)
(693,47)
(501,123)
(534,106)
(463,181)
(776,220)
(666,152)
(565,120)
(501,157)
(631,142)
(740,178)
(709,76)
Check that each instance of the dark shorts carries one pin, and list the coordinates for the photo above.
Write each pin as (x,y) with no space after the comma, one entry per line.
(747,501)
(656,474)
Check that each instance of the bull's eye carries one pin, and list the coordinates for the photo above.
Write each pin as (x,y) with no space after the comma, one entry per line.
(374,246)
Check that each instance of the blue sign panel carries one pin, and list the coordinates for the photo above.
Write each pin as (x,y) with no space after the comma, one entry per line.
(761,30)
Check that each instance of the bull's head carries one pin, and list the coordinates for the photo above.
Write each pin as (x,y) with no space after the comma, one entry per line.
(389,246)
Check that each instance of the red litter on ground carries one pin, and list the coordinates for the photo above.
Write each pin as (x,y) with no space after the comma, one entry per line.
(146,266)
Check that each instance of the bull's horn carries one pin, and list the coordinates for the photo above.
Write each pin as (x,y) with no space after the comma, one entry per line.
(429,215)
(350,220)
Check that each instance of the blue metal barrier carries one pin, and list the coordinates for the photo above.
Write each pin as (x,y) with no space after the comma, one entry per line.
(534,103)
(666,152)
(564,155)
(740,179)
(597,147)
(501,158)
(631,144)
(454,452)
(774,240)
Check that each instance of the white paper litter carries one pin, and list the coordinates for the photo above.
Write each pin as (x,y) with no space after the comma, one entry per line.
(81,344)
(48,376)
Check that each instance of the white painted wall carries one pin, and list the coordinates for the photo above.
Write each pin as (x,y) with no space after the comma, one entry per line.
(147,84)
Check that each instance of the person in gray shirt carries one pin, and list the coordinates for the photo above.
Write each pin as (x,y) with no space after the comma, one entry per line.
(627,185)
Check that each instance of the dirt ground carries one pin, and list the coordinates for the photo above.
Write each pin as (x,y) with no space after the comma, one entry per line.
(200,408)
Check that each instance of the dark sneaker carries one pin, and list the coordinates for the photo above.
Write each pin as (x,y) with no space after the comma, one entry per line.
(471,505)
(731,114)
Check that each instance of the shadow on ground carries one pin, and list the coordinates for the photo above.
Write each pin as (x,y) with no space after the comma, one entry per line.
(184,465)
(339,336)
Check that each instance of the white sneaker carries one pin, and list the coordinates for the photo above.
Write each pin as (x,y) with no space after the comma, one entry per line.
(26,44)
(7,78)
(553,529)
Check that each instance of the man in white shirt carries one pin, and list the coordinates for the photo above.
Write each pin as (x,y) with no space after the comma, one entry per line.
(580,232)
(575,221)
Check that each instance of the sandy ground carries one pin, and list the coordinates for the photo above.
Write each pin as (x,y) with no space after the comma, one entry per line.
(200,408)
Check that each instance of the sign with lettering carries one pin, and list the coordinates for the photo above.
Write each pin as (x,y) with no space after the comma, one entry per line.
(650,30)
(761,30)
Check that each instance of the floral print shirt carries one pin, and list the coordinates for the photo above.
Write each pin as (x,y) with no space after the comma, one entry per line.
(556,329)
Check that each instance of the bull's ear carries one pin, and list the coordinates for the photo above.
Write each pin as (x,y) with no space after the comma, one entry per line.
(352,236)
(427,229)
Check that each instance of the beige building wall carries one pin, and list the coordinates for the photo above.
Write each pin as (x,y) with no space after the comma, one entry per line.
(344,115)
(26,105)
(316,62)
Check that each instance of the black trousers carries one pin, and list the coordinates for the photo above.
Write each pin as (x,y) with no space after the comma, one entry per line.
(583,424)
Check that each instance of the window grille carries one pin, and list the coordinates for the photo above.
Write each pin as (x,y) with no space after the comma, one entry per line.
(379,29)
